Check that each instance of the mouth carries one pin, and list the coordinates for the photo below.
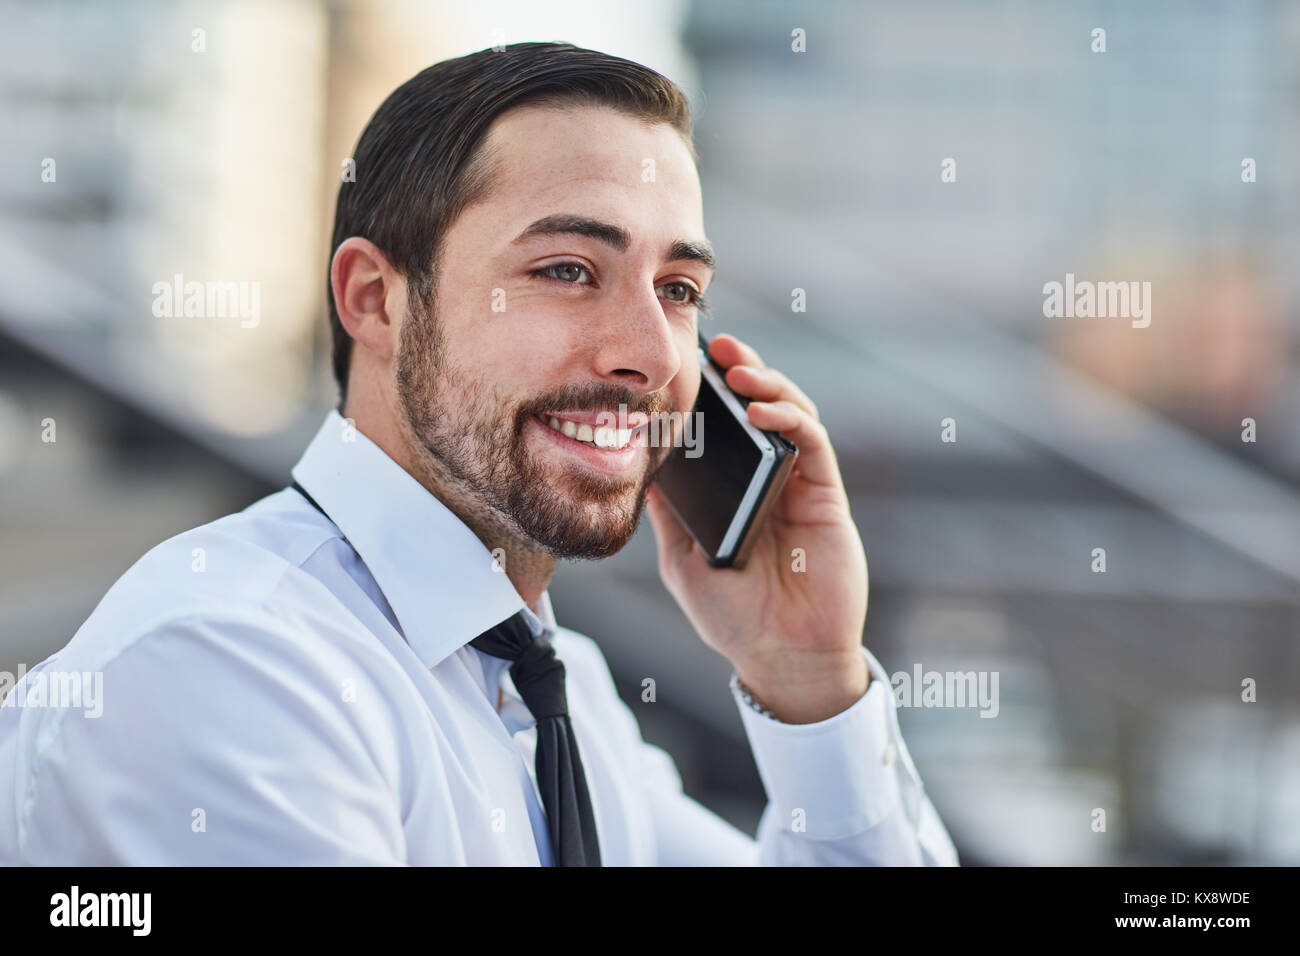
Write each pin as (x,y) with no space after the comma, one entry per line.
(603,447)
(600,433)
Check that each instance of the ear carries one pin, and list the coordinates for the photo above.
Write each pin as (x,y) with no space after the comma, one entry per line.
(368,293)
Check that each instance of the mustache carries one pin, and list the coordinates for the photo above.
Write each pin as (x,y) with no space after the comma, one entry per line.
(597,397)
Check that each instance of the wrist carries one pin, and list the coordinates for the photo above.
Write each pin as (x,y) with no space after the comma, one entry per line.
(804,697)
(750,700)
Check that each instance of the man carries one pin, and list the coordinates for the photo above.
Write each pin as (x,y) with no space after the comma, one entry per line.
(361,669)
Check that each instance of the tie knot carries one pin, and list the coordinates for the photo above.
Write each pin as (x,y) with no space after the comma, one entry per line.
(538,674)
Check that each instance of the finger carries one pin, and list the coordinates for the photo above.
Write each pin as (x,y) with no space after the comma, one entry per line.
(727,350)
(674,541)
(816,460)
(768,385)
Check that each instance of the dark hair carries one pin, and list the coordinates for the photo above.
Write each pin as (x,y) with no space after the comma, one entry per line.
(418,162)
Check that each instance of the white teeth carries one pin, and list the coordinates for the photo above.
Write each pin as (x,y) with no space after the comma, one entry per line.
(602,437)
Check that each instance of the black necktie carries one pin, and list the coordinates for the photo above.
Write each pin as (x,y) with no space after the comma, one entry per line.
(539,677)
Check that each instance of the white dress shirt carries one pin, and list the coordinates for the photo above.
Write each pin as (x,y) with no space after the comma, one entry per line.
(278,689)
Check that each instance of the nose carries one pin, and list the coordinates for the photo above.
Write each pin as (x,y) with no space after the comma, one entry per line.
(634,343)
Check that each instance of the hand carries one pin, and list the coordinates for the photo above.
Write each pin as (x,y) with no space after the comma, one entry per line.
(793,636)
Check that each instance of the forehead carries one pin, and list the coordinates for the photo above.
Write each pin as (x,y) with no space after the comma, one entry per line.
(595,160)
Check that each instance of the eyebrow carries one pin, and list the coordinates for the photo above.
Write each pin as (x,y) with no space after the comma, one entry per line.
(616,237)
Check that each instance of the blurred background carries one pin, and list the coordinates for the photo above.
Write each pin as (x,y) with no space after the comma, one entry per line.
(208,140)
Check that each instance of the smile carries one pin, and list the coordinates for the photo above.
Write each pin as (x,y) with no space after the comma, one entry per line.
(597,436)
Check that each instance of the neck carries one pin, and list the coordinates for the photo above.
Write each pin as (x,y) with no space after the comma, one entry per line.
(528,567)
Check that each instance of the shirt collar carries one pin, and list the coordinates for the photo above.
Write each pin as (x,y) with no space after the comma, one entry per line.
(542,622)
(440,580)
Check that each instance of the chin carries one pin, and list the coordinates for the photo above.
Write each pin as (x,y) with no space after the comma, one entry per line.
(590,533)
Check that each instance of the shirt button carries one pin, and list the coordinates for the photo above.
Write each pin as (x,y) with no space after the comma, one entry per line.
(890,753)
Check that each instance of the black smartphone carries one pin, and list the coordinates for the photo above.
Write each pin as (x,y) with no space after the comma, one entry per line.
(723,477)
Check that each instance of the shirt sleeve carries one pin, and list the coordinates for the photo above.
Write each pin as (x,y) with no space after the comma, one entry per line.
(221,742)
(844,791)
(841,792)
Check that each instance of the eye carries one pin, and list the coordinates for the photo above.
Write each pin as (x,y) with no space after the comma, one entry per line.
(564,272)
(683,293)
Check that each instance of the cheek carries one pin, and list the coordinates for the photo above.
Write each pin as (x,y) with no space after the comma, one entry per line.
(498,350)
(520,319)
(686,385)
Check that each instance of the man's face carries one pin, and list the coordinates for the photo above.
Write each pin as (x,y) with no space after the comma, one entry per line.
(568,292)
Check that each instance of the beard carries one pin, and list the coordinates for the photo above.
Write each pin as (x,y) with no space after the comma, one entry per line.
(475,436)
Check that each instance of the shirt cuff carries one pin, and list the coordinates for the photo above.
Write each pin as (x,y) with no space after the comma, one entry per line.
(840,772)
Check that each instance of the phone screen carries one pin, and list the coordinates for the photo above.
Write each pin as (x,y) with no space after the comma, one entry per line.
(708,490)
